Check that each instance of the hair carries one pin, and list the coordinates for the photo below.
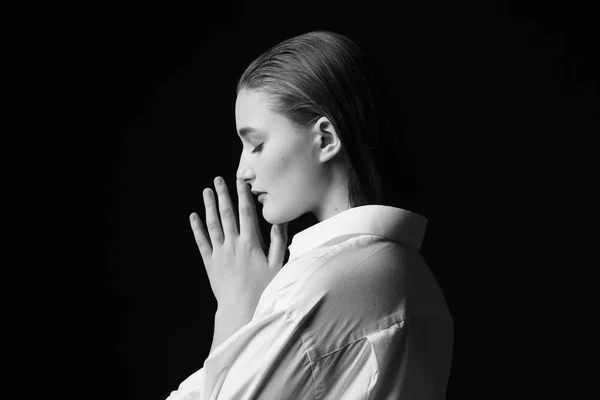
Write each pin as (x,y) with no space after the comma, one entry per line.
(323,73)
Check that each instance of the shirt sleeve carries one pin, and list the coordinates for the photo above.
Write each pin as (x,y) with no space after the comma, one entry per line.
(409,360)
(244,366)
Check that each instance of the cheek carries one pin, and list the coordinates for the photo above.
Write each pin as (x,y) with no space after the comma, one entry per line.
(279,165)
(286,168)
(295,176)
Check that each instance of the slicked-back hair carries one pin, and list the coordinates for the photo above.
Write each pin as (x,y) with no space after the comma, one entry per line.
(323,73)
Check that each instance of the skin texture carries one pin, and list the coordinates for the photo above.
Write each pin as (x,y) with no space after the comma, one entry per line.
(236,264)
(300,168)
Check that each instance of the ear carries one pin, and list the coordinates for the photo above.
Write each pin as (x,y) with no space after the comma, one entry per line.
(327,139)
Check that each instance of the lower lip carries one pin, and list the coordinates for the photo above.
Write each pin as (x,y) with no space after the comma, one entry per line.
(261,197)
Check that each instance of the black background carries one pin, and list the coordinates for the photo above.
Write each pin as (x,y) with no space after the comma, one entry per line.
(498,105)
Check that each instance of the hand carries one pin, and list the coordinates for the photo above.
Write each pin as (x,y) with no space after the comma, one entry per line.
(235,261)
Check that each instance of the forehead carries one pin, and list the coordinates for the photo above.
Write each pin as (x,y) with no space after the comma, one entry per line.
(251,109)
(253,114)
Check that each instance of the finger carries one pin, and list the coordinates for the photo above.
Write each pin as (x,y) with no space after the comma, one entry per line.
(212,219)
(226,210)
(261,240)
(278,245)
(249,228)
(200,236)
(259,234)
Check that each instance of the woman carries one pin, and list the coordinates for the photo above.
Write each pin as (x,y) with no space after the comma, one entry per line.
(355,313)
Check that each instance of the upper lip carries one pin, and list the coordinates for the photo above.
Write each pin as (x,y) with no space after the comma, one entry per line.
(256,192)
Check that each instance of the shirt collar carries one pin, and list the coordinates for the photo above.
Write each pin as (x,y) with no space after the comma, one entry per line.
(394,223)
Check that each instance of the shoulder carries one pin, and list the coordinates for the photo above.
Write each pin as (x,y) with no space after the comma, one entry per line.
(368,286)
(371,262)
(363,280)
(370,280)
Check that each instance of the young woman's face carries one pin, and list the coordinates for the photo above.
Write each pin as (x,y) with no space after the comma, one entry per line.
(278,158)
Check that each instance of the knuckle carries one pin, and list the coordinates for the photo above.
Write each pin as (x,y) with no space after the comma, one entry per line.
(245,244)
(227,213)
(228,247)
(201,246)
(246,211)
(204,247)
(213,226)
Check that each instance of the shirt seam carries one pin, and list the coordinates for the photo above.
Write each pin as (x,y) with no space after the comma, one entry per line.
(319,259)
(345,242)
(359,339)
(312,370)
(382,249)
(287,312)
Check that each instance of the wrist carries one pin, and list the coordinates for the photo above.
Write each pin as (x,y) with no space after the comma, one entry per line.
(232,313)
(228,320)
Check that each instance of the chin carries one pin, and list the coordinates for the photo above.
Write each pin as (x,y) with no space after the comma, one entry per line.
(273,219)
(280,216)
(269,218)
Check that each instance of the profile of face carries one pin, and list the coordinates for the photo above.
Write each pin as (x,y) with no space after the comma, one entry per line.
(288,162)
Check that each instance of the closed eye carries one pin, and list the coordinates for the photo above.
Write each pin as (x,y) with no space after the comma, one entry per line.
(257,148)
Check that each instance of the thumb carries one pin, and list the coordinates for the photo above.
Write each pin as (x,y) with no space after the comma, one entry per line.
(278,245)
(259,235)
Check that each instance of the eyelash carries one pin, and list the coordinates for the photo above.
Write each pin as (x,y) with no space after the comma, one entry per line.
(257,148)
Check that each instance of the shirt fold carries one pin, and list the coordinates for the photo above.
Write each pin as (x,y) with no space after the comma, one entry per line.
(354,314)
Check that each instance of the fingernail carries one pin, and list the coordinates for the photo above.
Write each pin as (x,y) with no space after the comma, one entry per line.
(193,217)
(218,181)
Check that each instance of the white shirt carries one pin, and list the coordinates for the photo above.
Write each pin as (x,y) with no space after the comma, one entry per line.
(354,314)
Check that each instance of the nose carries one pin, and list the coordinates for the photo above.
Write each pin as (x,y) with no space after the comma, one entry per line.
(243,173)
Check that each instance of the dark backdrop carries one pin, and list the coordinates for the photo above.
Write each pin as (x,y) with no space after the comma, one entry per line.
(497,106)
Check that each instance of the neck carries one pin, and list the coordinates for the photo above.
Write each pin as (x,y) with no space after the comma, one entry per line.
(335,199)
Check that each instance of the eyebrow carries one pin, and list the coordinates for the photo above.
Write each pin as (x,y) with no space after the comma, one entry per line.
(245,131)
